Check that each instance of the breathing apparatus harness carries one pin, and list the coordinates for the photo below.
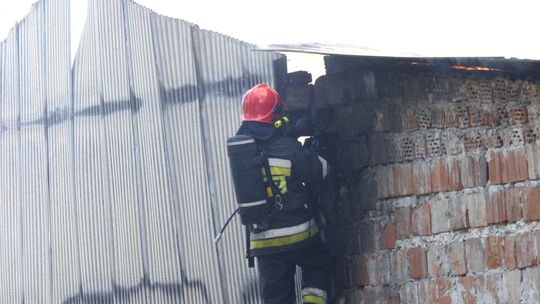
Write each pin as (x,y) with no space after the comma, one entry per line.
(259,198)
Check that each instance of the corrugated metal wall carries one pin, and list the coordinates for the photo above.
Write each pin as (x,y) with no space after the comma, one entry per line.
(113,172)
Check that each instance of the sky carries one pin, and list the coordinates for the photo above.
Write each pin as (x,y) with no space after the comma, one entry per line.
(427,27)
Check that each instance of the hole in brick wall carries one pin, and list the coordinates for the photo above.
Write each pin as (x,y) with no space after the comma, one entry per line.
(502,115)
(475,116)
(463,116)
(424,119)
(517,137)
(500,89)
(530,135)
(407,148)
(473,141)
(435,145)
(514,90)
(519,115)
(494,139)
(530,92)
(420,150)
(390,146)
(486,91)
(469,91)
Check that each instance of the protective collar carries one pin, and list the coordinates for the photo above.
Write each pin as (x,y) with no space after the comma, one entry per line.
(257,130)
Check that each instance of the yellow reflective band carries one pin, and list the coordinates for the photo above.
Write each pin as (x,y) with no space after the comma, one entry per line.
(284,241)
(313,299)
(269,192)
(278,176)
(280,171)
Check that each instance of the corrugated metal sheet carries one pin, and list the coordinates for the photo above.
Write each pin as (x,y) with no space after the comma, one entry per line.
(113,173)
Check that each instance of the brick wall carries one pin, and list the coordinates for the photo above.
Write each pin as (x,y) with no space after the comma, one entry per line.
(435,196)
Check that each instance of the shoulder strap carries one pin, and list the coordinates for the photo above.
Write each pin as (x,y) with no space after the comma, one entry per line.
(277,204)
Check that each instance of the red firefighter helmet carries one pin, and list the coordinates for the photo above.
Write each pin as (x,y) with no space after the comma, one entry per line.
(262,104)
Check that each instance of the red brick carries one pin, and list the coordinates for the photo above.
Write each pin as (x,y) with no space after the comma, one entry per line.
(427,292)
(361,277)
(444,287)
(384,180)
(438,116)
(476,208)
(474,253)
(531,204)
(391,295)
(536,238)
(400,265)
(456,258)
(510,257)
(403,222)
(496,208)
(457,208)
(388,236)
(407,293)
(530,285)
(533,159)
(381,270)
(494,252)
(435,254)
(488,286)
(367,238)
(488,118)
(519,115)
(438,174)
(421,220)
(402,180)
(451,117)
(454,168)
(504,205)
(468,292)
(508,166)
(473,140)
(525,250)
(493,286)
(513,199)
(409,120)
(421,182)
(473,171)
(495,168)
(511,286)
(440,221)
(417,263)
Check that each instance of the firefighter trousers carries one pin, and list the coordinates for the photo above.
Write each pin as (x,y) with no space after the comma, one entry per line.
(276,273)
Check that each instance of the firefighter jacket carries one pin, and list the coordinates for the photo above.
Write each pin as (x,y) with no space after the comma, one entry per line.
(291,168)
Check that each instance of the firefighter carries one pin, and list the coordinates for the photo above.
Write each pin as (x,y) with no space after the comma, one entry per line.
(289,236)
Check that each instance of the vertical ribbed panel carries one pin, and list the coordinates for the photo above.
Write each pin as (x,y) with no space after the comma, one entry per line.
(65,274)
(185,157)
(113,175)
(11,262)
(229,69)
(34,197)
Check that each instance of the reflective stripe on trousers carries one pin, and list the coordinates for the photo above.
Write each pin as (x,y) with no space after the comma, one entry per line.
(284,236)
(313,295)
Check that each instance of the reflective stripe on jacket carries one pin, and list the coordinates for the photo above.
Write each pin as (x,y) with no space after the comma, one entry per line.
(291,167)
